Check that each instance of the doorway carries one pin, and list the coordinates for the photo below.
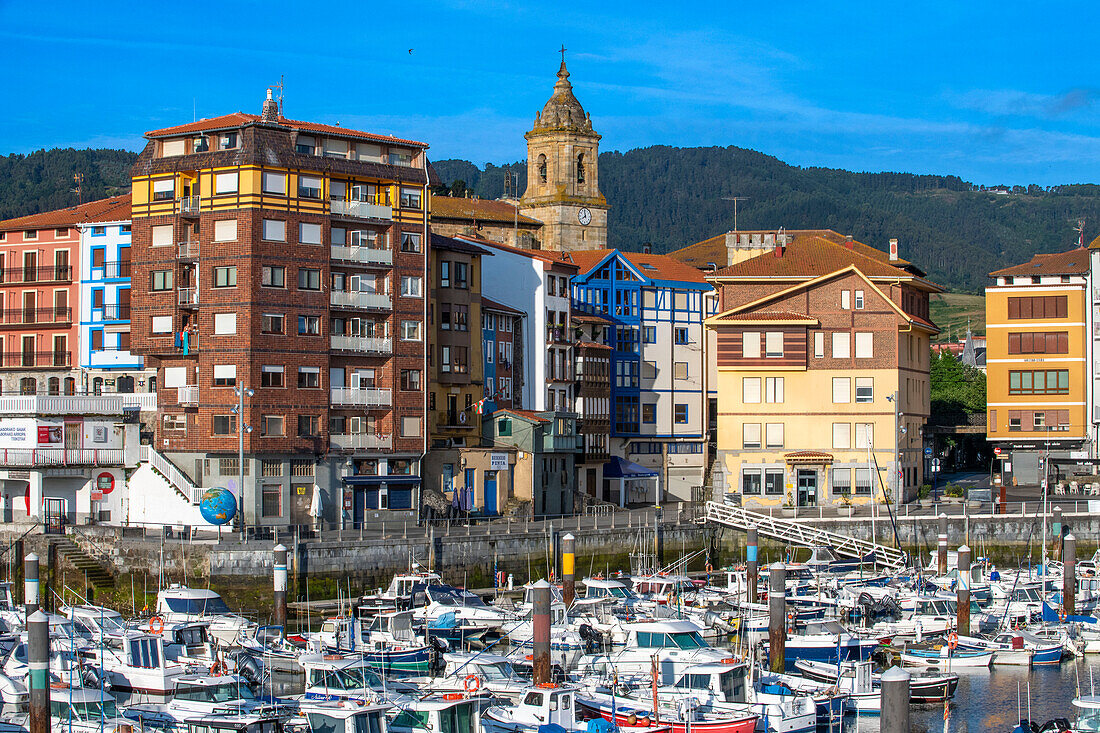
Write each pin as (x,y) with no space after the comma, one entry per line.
(490,492)
(301,496)
(54,516)
(807,487)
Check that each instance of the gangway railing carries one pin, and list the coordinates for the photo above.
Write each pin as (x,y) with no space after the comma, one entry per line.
(795,533)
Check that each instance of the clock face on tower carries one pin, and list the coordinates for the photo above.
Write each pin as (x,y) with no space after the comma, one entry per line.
(584,216)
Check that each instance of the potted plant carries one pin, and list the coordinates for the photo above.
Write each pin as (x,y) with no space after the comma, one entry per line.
(953,494)
(924,495)
(844,509)
(788,505)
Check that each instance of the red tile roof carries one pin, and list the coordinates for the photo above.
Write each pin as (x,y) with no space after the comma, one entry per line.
(240,119)
(769,316)
(811,258)
(445,207)
(547,256)
(714,249)
(658,267)
(525,414)
(813,456)
(582,317)
(1073,262)
(116,208)
(589,344)
(495,306)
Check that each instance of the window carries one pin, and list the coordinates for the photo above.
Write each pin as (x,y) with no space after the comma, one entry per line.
(225,277)
(865,345)
(309,233)
(1049,381)
(1054,342)
(819,345)
(444,274)
(274,182)
(773,389)
(96,232)
(309,279)
(750,390)
(773,481)
(842,390)
(225,375)
(225,182)
(410,330)
(842,435)
(865,389)
(410,286)
(751,481)
(97,340)
(309,187)
(680,414)
(274,230)
(750,344)
(649,412)
(163,190)
(865,435)
(305,144)
(681,335)
(410,242)
(225,230)
(410,380)
(859,300)
(272,500)
(272,425)
(225,324)
(309,378)
(224,425)
(863,481)
(162,236)
(271,323)
(271,376)
(309,325)
(228,141)
(161,280)
(750,435)
(680,370)
(461,269)
(649,334)
(842,481)
(842,345)
(410,198)
(845,299)
(1041,306)
(773,344)
(161,324)
(410,427)
(649,370)
(773,435)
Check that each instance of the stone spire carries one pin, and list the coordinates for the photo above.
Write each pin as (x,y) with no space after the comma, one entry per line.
(562,110)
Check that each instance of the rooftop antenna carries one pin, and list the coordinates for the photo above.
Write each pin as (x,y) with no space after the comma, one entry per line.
(279,88)
(735,199)
(79,179)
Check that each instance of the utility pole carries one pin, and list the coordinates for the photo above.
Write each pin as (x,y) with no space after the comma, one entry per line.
(735,199)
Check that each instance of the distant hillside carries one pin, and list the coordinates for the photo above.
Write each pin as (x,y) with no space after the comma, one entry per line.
(672,197)
(43,180)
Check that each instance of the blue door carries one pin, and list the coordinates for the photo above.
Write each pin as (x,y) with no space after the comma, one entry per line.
(490,492)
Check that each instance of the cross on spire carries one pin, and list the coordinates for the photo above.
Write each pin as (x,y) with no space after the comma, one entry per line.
(562,50)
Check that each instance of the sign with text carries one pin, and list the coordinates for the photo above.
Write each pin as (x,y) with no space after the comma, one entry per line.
(498,461)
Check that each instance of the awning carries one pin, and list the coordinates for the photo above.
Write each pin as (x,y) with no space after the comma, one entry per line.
(622,468)
(375,480)
(808,456)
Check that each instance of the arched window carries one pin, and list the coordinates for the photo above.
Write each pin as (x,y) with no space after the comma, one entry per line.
(28,385)
(97,385)
(70,385)
(580,168)
(53,386)
(542,168)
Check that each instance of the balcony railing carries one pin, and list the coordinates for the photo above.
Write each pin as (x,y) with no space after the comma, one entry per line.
(362,441)
(28,316)
(360,397)
(189,297)
(112,269)
(107,404)
(50,274)
(555,335)
(188,250)
(362,209)
(188,205)
(114,312)
(362,344)
(25,359)
(362,255)
(365,301)
(61,457)
(188,395)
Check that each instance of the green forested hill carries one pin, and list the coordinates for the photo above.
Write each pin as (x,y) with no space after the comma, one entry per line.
(43,180)
(672,197)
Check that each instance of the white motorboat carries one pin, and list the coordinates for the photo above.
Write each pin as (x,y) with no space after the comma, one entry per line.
(136,662)
(180,604)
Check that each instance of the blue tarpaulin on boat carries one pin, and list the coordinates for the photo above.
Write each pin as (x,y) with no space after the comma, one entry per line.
(599,725)
(621,468)
(1050,616)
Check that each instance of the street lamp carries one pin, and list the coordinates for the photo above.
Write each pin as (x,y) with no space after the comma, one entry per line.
(242,428)
(896,401)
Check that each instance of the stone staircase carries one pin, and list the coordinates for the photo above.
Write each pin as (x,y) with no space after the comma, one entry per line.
(98,570)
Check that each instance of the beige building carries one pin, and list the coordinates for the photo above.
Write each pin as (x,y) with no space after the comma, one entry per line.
(496,221)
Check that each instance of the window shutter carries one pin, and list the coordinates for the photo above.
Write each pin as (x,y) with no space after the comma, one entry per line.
(162,235)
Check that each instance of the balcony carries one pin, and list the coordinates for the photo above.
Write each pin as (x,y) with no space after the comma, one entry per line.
(111,404)
(456,419)
(32,359)
(33,457)
(112,269)
(556,335)
(361,441)
(362,255)
(360,397)
(54,274)
(114,312)
(31,316)
(361,300)
(362,344)
(188,395)
(362,209)
(189,297)
(188,250)
(187,206)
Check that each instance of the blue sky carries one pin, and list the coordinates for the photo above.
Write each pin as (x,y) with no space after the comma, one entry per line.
(993,92)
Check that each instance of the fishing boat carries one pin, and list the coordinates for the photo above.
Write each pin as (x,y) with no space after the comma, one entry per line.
(676,643)
(345,677)
(386,642)
(922,687)
(453,713)
(943,657)
(398,596)
(334,717)
(136,662)
(636,712)
(826,641)
(201,695)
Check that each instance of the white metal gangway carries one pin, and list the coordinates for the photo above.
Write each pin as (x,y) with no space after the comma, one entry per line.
(795,533)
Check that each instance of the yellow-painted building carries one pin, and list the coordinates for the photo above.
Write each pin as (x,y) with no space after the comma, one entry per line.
(822,356)
(1037,362)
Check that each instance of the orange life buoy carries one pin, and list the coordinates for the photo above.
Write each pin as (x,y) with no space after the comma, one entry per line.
(1062,615)
(218,668)
(710,568)
(952,641)
(472,683)
(156,625)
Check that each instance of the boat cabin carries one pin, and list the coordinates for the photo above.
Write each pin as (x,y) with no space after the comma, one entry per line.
(616,590)
(329,717)
(336,677)
(442,714)
(84,706)
(667,634)
(724,682)
(180,603)
(94,622)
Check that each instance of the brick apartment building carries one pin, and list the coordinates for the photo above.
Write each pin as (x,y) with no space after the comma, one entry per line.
(285,259)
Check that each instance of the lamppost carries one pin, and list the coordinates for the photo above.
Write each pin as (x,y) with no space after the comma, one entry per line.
(896,401)
(242,428)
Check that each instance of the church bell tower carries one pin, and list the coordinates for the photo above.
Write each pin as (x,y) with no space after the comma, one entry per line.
(563,174)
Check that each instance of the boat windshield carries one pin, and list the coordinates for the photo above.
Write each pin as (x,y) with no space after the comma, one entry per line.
(679,639)
(497,672)
(446,596)
(457,719)
(1026,595)
(198,606)
(95,710)
(215,693)
(1088,720)
(349,678)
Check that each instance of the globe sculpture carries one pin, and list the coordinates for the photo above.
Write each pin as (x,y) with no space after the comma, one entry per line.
(218,506)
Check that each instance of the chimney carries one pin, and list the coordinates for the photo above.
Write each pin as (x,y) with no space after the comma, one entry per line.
(848,241)
(893,250)
(731,247)
(647,248)
(780,247)
(271,109)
